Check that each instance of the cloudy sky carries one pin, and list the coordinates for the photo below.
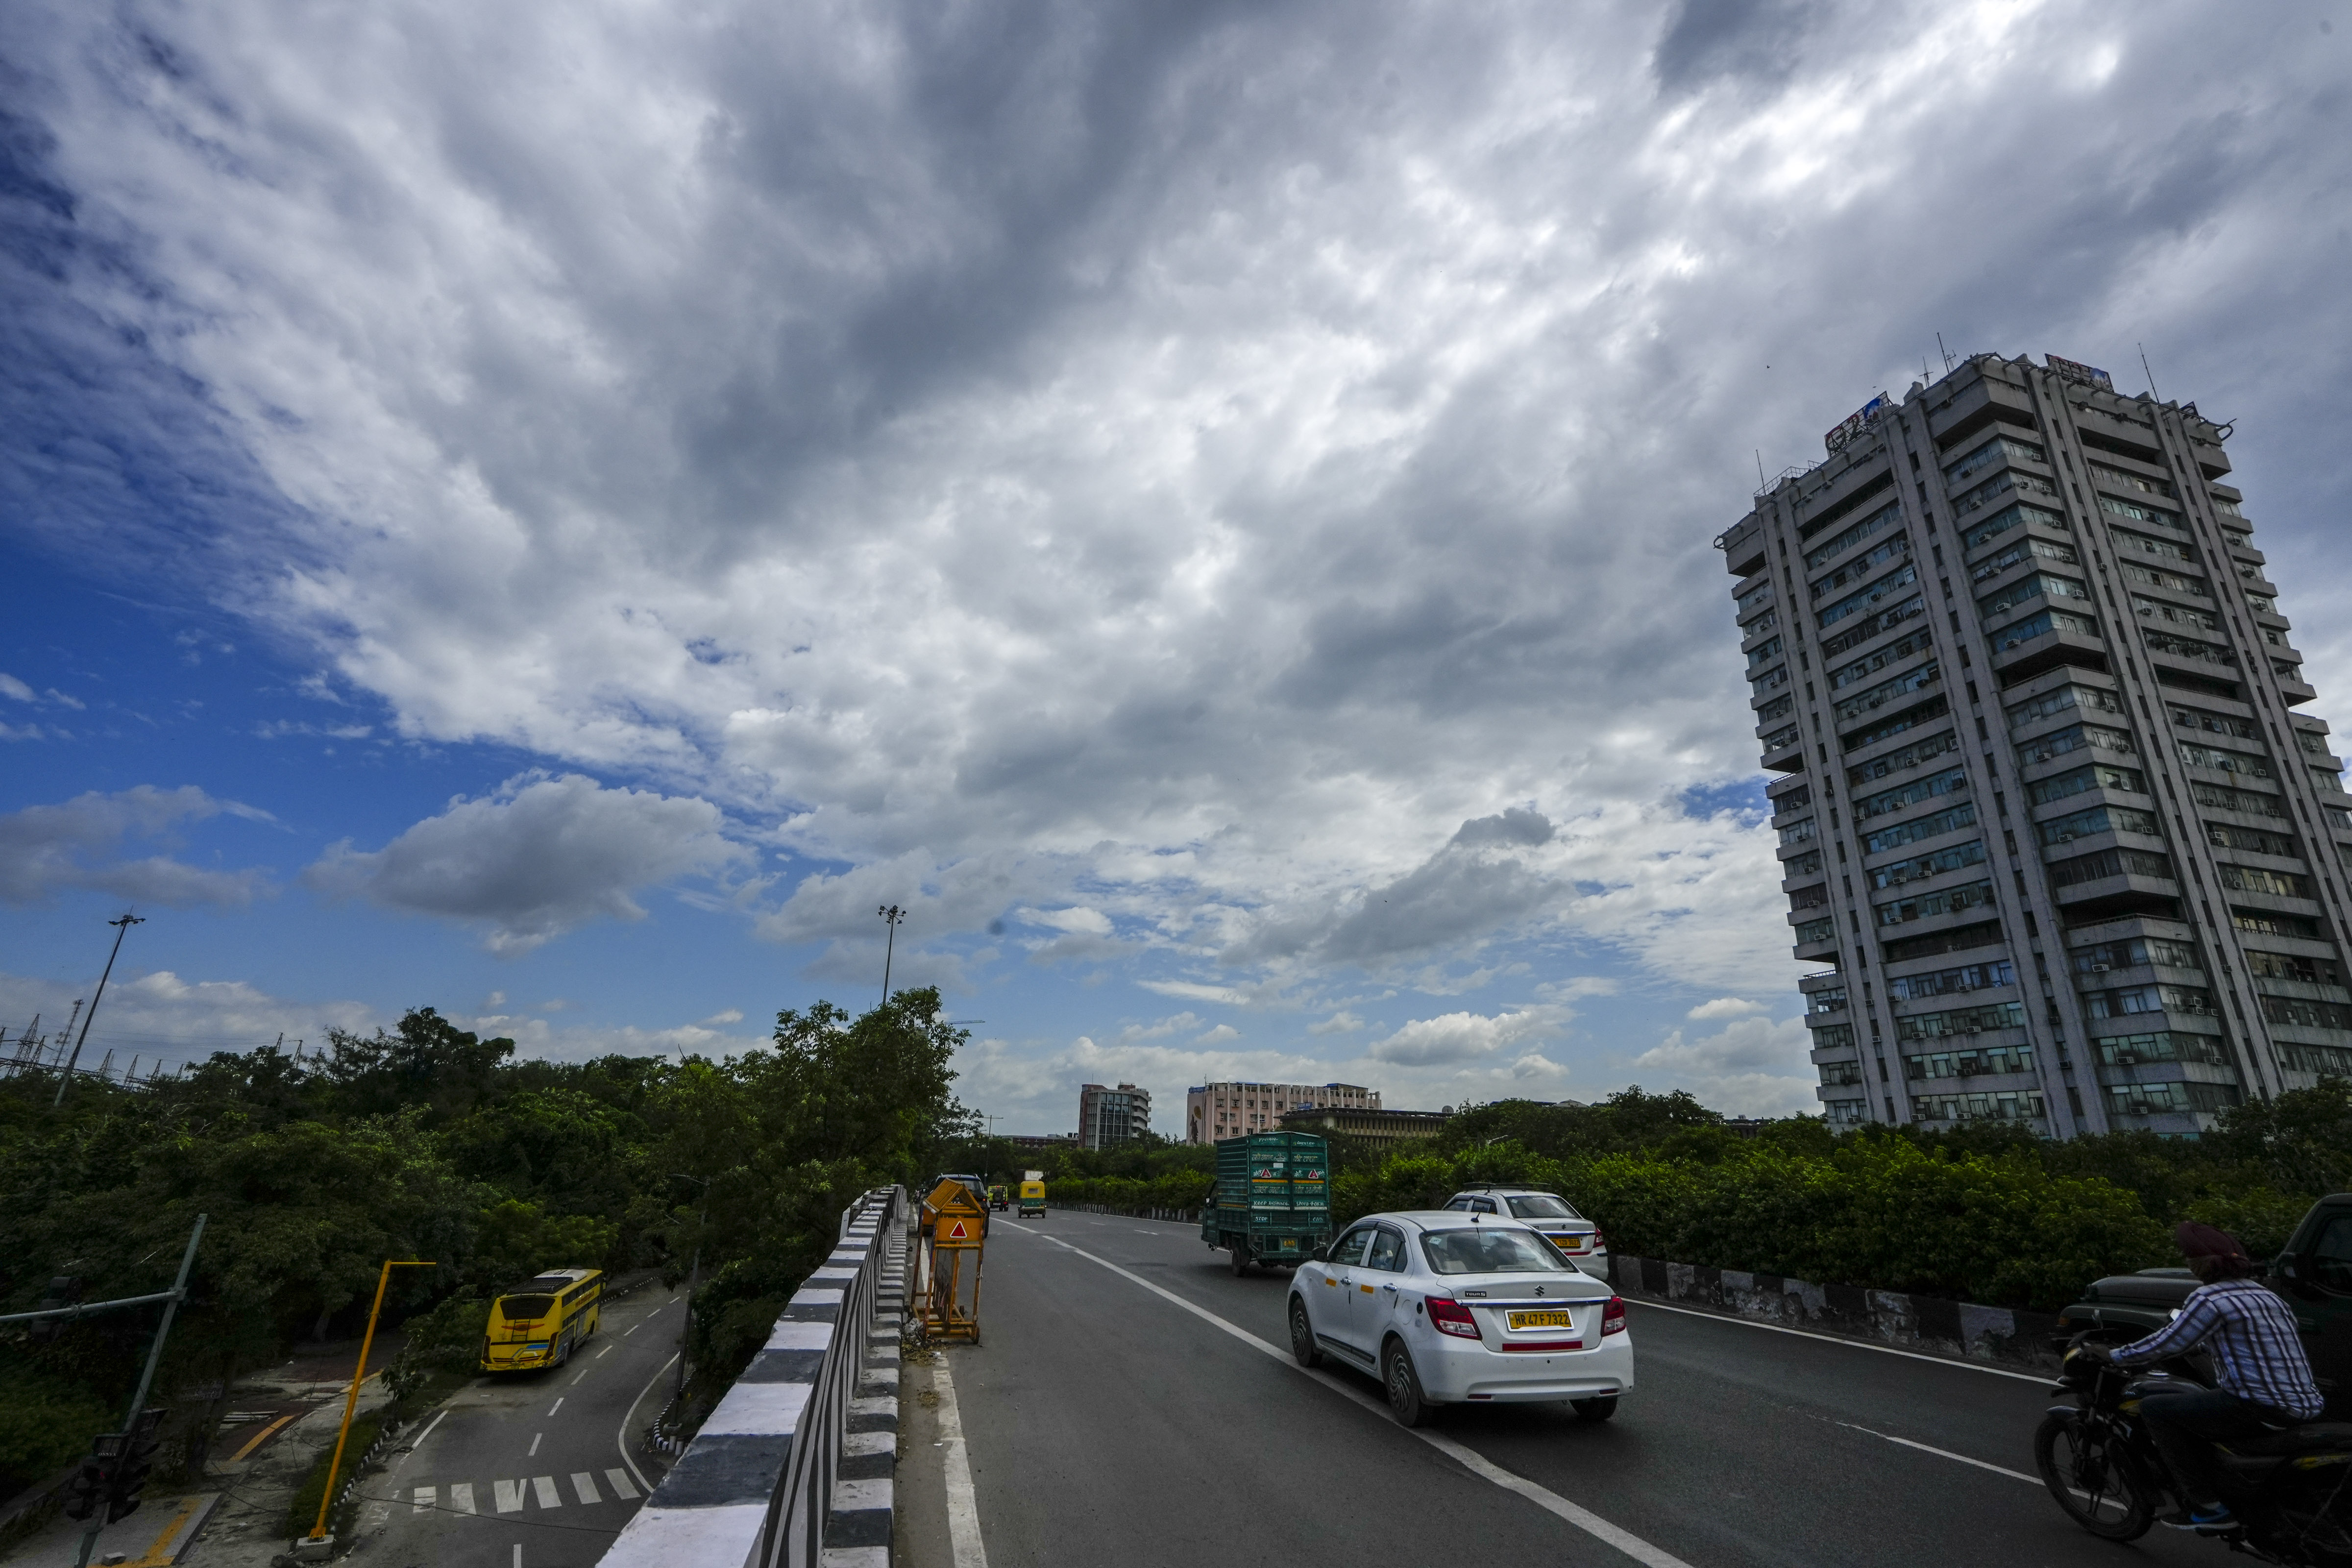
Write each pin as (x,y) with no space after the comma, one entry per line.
(558,511)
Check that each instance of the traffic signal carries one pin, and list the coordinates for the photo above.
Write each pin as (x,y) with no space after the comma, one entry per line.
(90,1483)
(135,1463)
(64,1291)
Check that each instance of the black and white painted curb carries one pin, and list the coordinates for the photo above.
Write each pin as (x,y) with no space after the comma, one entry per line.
(857,1531)
(755,1486)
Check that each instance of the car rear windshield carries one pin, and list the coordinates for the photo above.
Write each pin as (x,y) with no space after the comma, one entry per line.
(525,1307)
(1541,1206)
(1492,1250)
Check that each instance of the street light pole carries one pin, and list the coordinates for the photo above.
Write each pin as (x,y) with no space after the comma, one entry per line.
(693,1273)
(359,1375)
(893,914)
(122,928)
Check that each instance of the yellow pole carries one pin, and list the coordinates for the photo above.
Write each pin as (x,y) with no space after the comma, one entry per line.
(359,1375)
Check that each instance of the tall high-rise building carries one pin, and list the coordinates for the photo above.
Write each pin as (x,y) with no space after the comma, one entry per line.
(1109,1117)
(2054,826)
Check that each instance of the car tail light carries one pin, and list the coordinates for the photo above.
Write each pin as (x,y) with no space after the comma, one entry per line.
(1613,1317)
(1452,1318)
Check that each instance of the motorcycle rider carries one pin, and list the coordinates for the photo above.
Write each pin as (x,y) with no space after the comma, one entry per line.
(2258,1362)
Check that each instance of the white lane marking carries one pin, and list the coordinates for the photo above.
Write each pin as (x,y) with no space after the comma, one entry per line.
(621,1487)
(585,1484)
(1833,1339)
(509,1495)
(554,1408)
(1477,1463)
(518,1557)
(600,1354)
(461,1496)
(426,1497)
(436,1421)
(545,1487)
(964,1545)
(1947,1454)
(621,1438)
(535,1438)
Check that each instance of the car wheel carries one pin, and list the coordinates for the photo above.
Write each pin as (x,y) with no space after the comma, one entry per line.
(1403,1384)
(1241,1259)
(1302,1336)
(1600,1409)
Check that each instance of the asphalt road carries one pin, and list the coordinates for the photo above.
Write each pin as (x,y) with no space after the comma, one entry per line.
(1106,1423)
(529,1470)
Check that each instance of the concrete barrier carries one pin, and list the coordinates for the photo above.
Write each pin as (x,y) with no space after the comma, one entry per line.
(788,1471)
(1931,1323)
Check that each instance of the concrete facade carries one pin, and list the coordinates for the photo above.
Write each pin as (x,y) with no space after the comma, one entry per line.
(1228,1110)
(1109,1117)
(2052,820)
(1369,1123)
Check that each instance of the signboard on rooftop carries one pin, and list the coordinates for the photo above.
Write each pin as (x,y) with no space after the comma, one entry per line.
(1846,429)
(2073,370)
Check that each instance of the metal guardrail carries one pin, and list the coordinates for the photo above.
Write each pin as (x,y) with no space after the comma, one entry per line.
(755,1486)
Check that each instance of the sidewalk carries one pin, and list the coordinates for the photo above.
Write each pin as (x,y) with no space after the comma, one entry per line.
(239,1507)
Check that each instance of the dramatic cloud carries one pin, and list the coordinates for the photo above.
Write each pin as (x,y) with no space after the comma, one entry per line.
(1242,475)
(536,860)
(1462,1037)
(1754,1066)
(46,849)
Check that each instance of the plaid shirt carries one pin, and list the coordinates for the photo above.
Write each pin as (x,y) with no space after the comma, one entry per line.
(2256,1353)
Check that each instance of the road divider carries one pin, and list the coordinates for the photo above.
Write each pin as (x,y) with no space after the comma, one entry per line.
(1958,1329)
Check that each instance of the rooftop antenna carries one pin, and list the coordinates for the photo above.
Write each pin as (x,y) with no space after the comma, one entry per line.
(2150,373)
(1759,468)
(1945,352)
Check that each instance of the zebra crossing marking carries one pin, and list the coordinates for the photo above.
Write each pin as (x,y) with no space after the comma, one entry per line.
(513,1497)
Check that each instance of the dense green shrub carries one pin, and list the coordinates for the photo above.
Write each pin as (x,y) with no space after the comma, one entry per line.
(431,1142)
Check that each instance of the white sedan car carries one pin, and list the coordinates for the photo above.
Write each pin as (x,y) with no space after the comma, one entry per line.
(1449,1307)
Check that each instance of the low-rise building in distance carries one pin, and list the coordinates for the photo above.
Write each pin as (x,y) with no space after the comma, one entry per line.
(1228,1110)
(1370,1123)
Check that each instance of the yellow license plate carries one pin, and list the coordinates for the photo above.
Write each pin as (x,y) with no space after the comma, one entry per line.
(1568,1243)
(1541,1320)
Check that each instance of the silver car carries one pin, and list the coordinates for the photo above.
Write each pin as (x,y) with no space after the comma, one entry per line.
(1549,1212)
(1445,1307)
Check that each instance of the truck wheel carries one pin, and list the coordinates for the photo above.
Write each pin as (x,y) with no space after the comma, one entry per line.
(1241,1259)
(1403,1385)
(1302,1337)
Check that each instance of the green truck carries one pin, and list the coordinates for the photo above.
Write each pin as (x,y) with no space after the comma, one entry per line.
(1273,1200)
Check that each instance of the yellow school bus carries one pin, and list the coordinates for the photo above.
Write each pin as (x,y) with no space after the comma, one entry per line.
(536,1323)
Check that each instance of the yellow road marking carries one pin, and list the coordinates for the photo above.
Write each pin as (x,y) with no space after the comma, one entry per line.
(261,1437)
(155,1556)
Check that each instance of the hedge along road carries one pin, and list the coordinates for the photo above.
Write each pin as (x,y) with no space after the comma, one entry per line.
(529,1469)
(1106,1422)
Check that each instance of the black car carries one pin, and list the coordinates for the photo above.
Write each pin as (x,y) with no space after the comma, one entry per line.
(2313,1272)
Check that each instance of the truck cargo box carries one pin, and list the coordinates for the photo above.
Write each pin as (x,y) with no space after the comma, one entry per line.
(1272,1203)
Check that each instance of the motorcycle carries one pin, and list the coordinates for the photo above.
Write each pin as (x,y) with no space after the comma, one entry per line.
(2290,1488)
